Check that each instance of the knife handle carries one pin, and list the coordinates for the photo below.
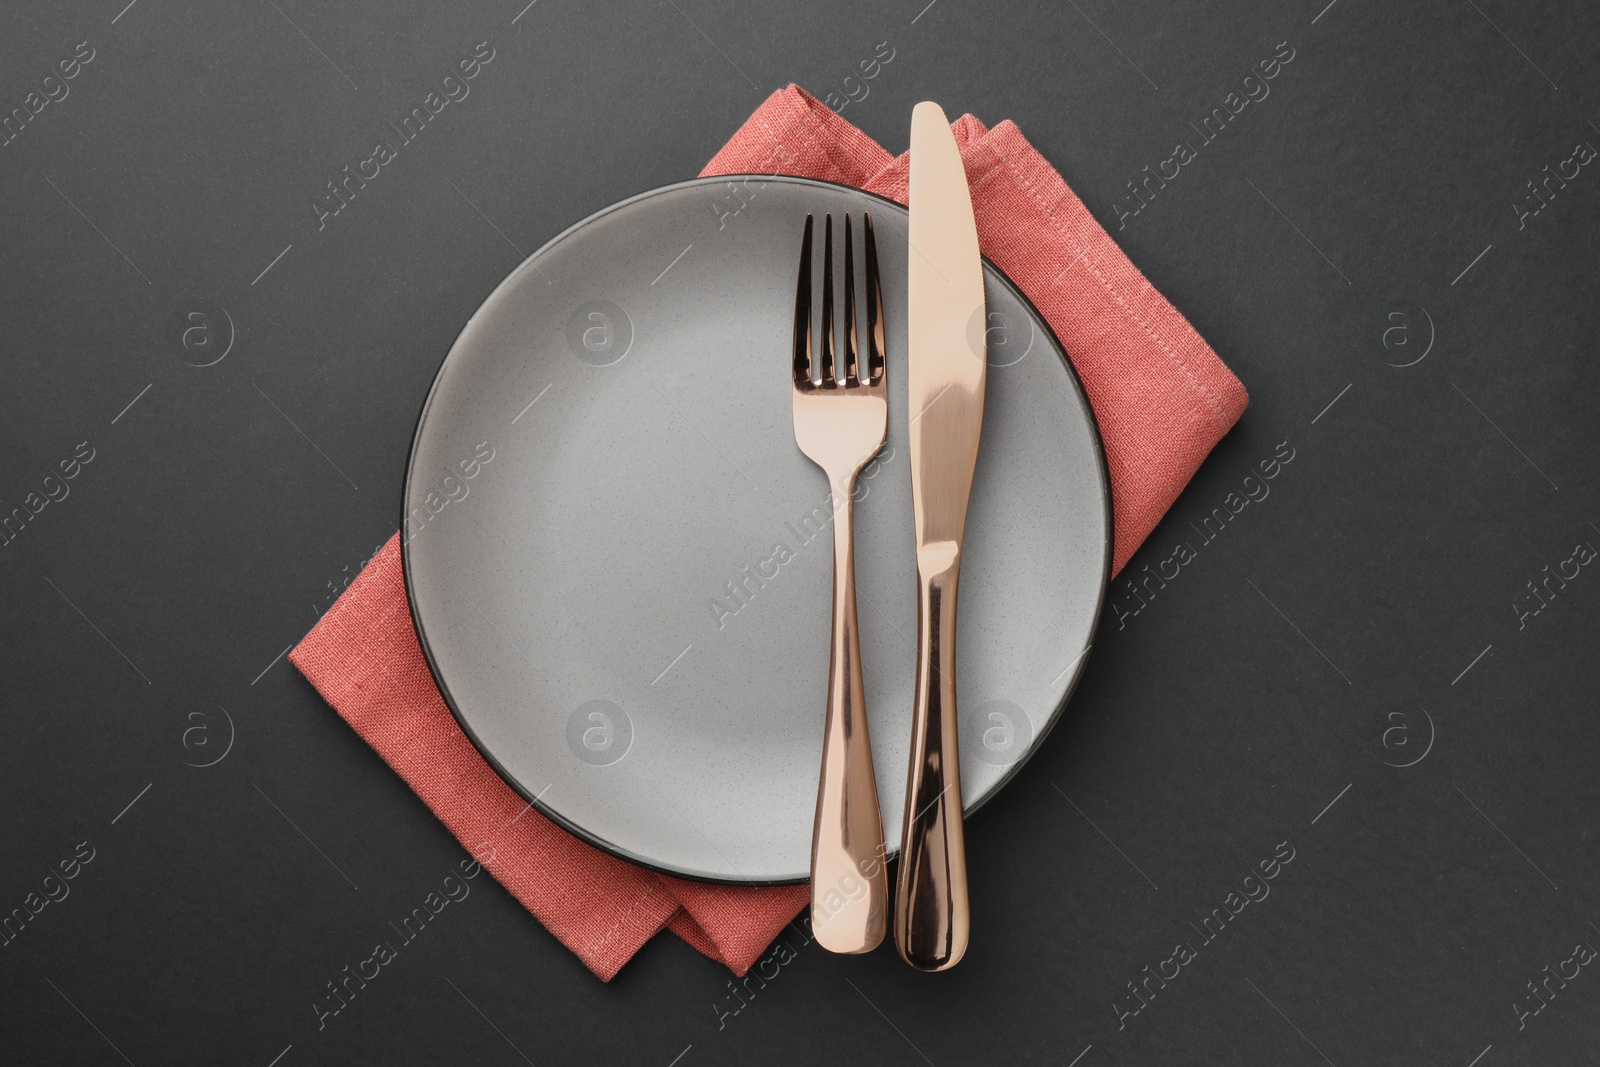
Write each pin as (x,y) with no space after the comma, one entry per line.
(849,886)
(932,919)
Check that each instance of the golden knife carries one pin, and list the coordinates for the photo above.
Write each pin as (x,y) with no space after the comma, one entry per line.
(945,382)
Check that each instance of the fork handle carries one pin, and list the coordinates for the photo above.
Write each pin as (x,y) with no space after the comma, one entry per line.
(931,912)
(849,887)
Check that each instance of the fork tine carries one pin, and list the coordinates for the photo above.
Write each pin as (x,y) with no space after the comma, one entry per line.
(828,379)
(875,362)
(852,374)
(802,312)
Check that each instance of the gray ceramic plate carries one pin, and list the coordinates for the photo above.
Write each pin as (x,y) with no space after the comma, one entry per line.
(619,562)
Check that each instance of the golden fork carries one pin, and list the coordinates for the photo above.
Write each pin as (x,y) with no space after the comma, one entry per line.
(840,423)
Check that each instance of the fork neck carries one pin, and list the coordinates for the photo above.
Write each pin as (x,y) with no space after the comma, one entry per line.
(843,501)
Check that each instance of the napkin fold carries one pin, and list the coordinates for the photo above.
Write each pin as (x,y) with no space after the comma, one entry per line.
(1162,399)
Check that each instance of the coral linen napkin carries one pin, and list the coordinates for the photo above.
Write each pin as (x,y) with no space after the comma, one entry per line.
(1162,398)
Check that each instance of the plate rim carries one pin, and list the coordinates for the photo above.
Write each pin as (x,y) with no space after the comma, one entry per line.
(590,837)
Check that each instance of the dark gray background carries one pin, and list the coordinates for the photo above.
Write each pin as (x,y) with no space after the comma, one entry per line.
(224,506)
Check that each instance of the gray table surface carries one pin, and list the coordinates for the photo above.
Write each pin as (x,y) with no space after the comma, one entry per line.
(1383,668)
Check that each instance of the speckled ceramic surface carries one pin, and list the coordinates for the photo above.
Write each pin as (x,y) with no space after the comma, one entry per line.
(619,562)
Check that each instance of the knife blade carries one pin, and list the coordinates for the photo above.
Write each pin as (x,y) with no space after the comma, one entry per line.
(945,378)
